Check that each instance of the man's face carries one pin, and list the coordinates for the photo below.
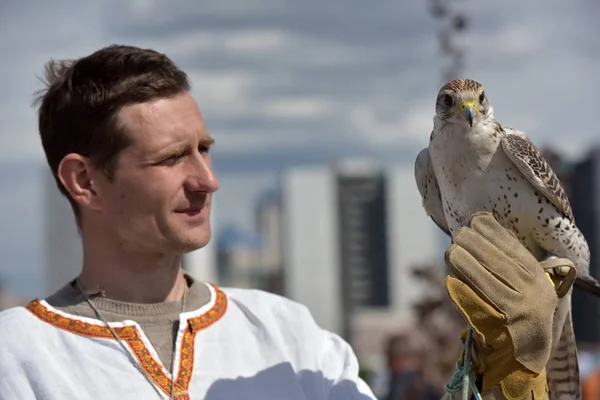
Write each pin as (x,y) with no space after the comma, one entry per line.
(160,196)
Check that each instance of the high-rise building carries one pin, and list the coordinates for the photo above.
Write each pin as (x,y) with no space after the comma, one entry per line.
(362,238)
(584,192)
(581,181)
(310,246)
(238,255)
(353,232)
(414,240)
(361,190)
(268,223)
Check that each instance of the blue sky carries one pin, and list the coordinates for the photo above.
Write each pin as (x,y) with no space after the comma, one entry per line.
(284,83)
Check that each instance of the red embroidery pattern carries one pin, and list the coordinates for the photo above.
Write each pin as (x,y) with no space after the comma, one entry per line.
(76,326)
(186,365)
(133,339)
(211,316)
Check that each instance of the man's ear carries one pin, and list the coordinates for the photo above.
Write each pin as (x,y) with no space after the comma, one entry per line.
(76,172)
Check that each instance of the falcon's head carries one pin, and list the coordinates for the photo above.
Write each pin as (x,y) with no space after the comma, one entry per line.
(462,101)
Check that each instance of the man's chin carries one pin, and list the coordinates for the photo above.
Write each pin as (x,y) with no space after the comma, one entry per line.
(190,247)
(192,243)
(181,238)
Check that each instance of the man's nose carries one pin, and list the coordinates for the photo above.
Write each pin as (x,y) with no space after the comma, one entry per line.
(202,176)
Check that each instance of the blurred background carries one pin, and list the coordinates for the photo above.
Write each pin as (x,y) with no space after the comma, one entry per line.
(319,110)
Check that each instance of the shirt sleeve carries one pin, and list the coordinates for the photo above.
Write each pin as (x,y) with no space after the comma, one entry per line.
(341,364)
(323,363)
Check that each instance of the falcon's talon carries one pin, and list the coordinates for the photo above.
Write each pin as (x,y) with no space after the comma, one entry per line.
(550,279)
(562,271)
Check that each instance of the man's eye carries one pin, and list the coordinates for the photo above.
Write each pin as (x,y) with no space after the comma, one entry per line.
(171,160)
(203,149)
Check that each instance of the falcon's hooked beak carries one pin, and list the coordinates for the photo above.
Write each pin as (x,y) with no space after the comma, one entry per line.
(468,110)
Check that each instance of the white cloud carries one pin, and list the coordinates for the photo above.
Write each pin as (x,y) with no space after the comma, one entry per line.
(513,40)
(412,123)
(256,41)
(296,107)
(222,94)
(247,142)
(253,41)
(141,7)
(180,44)
(373,80)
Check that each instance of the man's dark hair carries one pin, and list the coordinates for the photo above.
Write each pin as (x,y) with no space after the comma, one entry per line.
(79,105)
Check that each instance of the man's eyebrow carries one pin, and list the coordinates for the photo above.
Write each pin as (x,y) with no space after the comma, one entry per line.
(176,150)
(169,152)
(207,141)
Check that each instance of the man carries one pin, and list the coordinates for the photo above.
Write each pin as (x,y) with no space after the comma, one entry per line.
(405,353)
(129,150)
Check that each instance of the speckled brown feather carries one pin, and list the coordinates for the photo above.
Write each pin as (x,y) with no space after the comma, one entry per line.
(460,90)
(460,85)
(532,164)
(429,190)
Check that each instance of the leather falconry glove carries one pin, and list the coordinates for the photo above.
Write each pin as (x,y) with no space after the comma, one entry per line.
(509,301)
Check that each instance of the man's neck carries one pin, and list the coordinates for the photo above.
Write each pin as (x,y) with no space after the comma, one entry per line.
(141,288)
(133,278)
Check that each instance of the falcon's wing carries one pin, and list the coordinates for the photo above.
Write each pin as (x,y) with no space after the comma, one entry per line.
(528,159)
(430,191)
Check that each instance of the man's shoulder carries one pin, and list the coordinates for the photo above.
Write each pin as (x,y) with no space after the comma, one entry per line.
(16,324)
(269,305)
(285,321)
(13,315)
(263,298)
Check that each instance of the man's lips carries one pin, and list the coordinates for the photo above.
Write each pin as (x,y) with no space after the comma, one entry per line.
(191,212)
(195,210)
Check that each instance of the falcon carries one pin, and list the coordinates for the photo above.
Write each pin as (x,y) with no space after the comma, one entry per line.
(473,163)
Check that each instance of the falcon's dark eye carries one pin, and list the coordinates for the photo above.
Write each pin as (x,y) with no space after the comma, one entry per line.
(448,100)
(482,97)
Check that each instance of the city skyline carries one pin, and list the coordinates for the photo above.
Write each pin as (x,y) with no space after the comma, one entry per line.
(27,279)
(282,86)
(318,111)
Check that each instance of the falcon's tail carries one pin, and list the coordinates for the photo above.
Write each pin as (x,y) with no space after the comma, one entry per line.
(563,368)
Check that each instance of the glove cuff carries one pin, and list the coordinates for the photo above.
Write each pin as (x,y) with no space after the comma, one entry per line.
(522,384)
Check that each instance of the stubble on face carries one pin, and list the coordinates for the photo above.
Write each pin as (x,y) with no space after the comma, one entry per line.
(159,198)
